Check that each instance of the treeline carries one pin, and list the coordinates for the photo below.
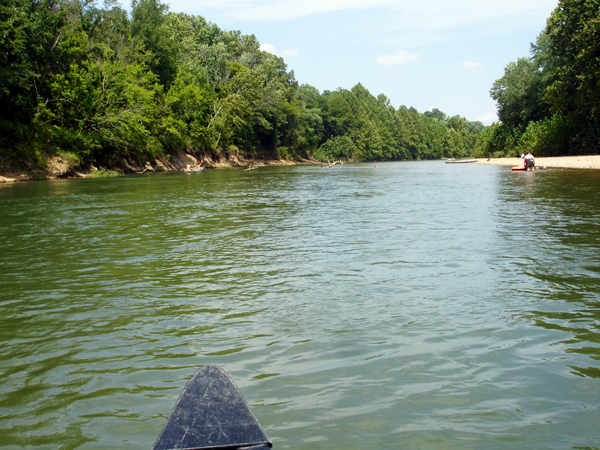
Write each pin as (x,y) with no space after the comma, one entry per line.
(549,102)
(97,85)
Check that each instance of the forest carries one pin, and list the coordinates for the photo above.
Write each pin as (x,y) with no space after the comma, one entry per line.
(549,102)
(105,86)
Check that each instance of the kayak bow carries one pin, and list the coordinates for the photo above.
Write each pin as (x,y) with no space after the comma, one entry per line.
(211,414)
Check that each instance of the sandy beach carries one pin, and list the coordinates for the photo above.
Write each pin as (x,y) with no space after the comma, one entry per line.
(569,162)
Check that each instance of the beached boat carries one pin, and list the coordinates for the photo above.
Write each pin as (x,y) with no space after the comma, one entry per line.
(212,414)
(460,161)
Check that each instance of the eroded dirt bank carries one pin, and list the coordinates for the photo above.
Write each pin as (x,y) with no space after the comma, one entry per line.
(59,168)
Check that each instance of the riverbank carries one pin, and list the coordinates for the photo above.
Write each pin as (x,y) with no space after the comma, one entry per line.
(565,162)
(58,168)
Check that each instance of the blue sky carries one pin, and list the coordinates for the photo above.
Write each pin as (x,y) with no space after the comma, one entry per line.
(422,53)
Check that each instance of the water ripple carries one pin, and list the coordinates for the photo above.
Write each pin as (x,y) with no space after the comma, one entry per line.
(416,305)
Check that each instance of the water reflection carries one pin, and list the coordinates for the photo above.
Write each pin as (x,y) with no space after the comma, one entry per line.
(373,308)
(556,230)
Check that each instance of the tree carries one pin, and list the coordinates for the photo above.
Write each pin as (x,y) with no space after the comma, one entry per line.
(190,101)
(29,34)
(574,91)
(80,78)
(232,110)
(436,114)
(147,25)
(520,93)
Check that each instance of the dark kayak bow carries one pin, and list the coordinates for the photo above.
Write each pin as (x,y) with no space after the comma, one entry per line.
(211,414)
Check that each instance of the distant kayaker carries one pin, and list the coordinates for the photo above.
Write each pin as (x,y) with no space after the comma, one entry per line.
(529,161)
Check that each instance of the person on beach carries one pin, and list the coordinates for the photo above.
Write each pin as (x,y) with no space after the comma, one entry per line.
(529,162)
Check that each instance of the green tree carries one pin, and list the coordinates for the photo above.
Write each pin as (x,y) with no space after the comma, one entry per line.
(102,108)
(233,109)
(574,92)
(436,114)
(190,101)
(520,93)
(30,33)
(148,25)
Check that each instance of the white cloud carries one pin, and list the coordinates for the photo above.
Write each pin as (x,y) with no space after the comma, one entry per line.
(266,10)
(268,48)
(393,23)
(417,14)
(285,53)
(401,57)
(289,52)
(471,65)
(488,119)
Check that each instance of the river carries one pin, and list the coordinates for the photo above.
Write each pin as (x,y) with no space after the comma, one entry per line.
(411,305)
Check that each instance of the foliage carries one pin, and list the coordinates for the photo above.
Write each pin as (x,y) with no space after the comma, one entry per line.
(520,93)
(103,87)
(549,103)
(339,147)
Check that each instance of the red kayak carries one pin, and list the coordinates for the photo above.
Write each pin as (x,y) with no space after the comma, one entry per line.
(519,168)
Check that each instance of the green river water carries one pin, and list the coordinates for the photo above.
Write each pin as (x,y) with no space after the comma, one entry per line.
(415,305)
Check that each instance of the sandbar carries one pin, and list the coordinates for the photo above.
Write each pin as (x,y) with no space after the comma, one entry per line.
(567,162)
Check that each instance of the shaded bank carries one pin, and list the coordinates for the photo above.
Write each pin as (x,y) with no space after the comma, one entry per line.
(60,168)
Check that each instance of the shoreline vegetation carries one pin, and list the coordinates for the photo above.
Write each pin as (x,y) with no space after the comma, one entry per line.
(106,87)
(89,91)
(58,169)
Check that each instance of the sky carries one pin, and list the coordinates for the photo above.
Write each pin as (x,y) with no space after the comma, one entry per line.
(425,54)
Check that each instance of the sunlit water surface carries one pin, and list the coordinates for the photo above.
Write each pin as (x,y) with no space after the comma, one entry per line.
(413,305)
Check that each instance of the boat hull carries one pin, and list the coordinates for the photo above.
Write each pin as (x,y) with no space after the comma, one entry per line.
(211,414)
